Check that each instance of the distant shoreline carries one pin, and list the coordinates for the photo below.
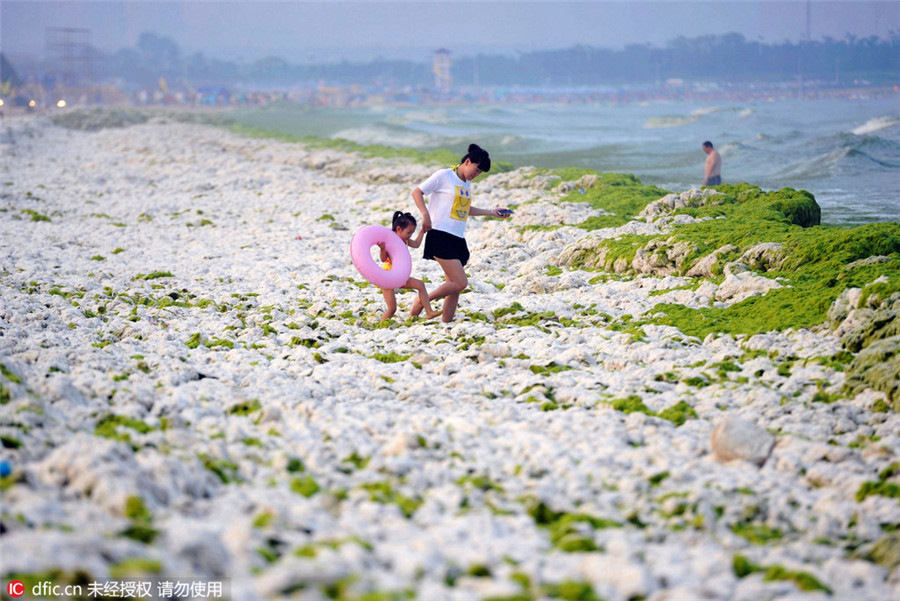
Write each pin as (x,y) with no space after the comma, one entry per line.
(349,97)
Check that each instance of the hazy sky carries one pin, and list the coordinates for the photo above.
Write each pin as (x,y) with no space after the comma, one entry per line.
(300,30)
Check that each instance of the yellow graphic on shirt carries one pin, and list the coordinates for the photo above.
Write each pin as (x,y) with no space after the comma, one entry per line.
(461,204)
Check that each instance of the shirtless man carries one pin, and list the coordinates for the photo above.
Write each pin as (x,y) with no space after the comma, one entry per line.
(713,176)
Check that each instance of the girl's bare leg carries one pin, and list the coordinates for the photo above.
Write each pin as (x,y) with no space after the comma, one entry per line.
(450,289)
(455,282)
(390,299)
(422,298)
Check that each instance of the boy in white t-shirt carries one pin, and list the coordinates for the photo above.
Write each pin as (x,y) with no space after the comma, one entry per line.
(444,218)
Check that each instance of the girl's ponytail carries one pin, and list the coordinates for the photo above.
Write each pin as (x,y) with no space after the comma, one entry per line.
(478,156)
(402,220)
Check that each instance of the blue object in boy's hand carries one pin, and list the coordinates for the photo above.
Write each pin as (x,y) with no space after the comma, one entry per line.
(504,212)
(5,468)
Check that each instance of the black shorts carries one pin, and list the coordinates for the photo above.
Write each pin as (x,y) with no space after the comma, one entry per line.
(715,180)
(441,245)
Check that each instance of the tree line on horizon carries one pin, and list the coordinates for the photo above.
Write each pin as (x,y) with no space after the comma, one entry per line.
(729,58)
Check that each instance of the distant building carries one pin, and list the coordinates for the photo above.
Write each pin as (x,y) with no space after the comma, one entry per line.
(69,51)
(443,80)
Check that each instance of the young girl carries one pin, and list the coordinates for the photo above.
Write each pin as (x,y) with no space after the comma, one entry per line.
(404,225)
(449,206)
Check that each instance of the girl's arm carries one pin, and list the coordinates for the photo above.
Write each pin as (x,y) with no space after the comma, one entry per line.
(418,241)
(384,252)
(476,212)
(419,198)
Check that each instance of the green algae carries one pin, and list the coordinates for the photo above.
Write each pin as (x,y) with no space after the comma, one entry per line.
(108,427)
(568,531)
(263,520)
(307,342)
(135,509)
(567,590)
(814,269)
(194,341)
(551,368)
(305,486)
(35,216)
(391,357)
(433,157)
(9,375)
(223,342)
(815,263)
(878,367)
(141,520)
(226,471)
(621,195)
(630,404)
(135,567)
(245,408)
(757,533)
(571,590)
(295,465)
(886,551)
(743,567)
(383,492)
(678,413)
(890,471)
(882,487)
(155,275)
(10,442)
(356,460)
(312,549)
(657,479)
(482,483)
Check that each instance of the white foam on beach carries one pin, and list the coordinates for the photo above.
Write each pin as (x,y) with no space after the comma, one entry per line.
(670,121)
(387,137)
(666,121)
(196,285)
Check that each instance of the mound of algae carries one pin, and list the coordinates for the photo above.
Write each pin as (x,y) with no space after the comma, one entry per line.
(846,279)
(620,195)
(97,118)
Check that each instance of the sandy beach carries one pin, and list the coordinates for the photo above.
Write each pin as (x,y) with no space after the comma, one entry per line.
(196,386)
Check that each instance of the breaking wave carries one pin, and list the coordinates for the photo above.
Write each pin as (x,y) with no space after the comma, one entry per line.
(878,124)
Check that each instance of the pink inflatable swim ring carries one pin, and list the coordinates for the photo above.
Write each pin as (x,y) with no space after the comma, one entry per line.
(361,254)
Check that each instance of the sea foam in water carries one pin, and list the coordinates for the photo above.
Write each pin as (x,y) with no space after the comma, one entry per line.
(846,152)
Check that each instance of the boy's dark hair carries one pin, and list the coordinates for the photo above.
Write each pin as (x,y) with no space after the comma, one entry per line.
(402,220)
(708,144)
(479,156)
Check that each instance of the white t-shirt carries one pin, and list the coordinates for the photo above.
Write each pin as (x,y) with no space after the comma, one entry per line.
(449,201)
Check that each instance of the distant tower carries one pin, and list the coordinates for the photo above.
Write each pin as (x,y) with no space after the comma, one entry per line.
(69,51)
(441,69)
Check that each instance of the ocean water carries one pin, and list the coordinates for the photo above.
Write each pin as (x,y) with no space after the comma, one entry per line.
(846,152)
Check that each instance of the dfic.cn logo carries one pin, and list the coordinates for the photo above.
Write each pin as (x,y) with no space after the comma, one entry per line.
(15,588)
